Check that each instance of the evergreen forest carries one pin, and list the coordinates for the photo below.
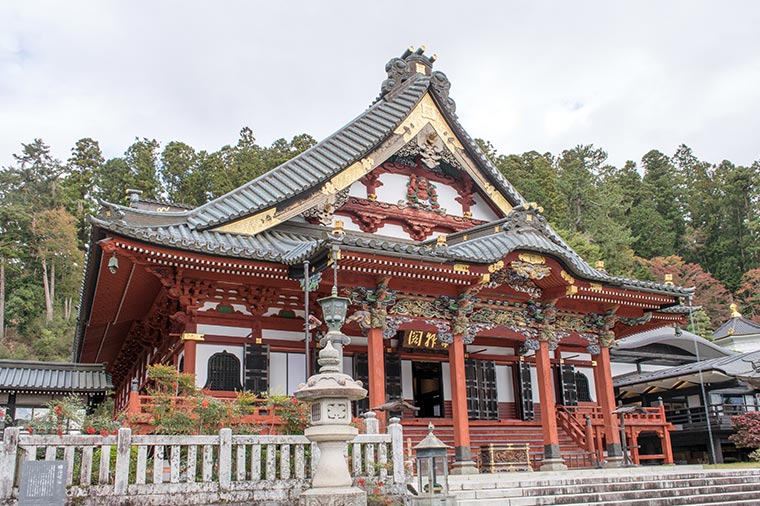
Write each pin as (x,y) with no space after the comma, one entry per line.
(665,213)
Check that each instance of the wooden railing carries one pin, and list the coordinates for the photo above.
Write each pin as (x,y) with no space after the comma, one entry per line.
(140,409)
(695,418)
(156,469)
(649,419)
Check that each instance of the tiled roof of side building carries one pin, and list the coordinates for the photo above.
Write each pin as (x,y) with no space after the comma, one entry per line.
(738,326)
(29,376)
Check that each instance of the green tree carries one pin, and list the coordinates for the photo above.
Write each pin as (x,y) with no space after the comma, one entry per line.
(85,162)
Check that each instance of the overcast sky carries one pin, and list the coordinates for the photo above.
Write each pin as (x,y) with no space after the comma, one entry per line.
(628,76)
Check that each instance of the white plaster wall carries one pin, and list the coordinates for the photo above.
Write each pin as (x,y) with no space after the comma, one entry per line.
(393,189)
(446,198)
(358,190)
(589,373)
(348,366)
(534,382)
(693,401)
(296,371)
(393,230)
(278,373)
(505,391)
(481,211)
(203,353)
(619,368)
(208,306)
(240,308)
(284,335)
(223,330)
(446,379)
(407,387)
(489,350)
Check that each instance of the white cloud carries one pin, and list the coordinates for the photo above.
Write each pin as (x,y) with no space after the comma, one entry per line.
(626,76)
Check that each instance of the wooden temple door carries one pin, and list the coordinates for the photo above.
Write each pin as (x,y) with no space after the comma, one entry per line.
(482,401)
(567,390)
(524,391)
(361,373)
(256,368)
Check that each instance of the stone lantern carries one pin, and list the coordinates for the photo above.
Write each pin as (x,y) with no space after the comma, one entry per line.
(432,472)
(330,393)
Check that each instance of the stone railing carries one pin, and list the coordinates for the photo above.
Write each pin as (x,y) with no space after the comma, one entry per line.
(167,470)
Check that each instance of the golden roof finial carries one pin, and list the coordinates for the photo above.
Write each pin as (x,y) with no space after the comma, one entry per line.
(600,265)
(669,279)
(734,310)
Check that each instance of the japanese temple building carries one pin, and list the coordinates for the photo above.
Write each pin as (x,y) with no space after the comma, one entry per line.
(464,301)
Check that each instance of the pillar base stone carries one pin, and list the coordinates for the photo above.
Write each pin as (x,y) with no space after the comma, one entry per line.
(328,496)
(553,465)
(464,467)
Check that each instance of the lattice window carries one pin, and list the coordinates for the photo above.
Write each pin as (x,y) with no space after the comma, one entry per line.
(582,387)
(223,372)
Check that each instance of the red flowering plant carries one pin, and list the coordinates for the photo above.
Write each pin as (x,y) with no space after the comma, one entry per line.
(293,414)
(747,435)
(377,495)
(59,416)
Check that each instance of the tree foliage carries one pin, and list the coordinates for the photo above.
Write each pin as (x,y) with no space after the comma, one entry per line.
(679,215)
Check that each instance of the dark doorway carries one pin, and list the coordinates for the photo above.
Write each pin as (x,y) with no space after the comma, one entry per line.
(428,389)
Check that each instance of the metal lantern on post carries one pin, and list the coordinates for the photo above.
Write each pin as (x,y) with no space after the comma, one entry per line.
(432,472)
(334,310)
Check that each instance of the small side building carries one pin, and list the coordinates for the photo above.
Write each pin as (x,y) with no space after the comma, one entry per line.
(738,333)
(26,387)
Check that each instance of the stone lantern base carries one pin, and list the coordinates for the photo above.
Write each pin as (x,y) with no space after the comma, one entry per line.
(328,496)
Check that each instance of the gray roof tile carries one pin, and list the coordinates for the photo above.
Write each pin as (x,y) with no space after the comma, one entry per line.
(29,376)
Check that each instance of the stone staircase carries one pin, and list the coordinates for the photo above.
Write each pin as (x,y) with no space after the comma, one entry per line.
(515,434)
(639,486)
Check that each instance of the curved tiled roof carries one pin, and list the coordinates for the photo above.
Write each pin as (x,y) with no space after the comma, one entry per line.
(737,326)
(28,376)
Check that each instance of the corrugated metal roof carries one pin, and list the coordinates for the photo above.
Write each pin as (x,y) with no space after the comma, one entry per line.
(27,376)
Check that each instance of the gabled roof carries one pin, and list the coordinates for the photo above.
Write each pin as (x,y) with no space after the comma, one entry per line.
(53,377)
(737,326)
(647,347)
(719,369)
(411,90)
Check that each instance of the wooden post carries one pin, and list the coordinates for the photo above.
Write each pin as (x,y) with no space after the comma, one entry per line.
(463,461)
(121,478)
(606,398)
(8,454)
(376,366)
(552,456)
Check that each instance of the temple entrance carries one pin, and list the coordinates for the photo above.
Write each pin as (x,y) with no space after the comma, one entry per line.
(428,389)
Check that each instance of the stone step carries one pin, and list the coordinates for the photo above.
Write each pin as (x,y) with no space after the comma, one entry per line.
(606,488)
(662,486)
(588,477)
(735,498)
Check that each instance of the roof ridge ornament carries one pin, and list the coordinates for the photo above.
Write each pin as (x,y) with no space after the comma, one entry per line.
(412,63)
(735,310)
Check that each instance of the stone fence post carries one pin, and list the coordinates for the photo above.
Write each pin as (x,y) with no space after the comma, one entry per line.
(121,477)
(225,459)
(397,449)
(371,423)
(8,453)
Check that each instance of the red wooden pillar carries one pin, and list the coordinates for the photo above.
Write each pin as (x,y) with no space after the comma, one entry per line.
(189,341)
(552,457)
(376,376)
(606,398)
(463,463)
(667,446)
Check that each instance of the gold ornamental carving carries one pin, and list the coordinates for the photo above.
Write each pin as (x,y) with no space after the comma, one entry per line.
(190,336)
(252,225)
(532,258)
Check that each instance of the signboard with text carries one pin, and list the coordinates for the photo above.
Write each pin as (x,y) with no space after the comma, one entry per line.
(423,340)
